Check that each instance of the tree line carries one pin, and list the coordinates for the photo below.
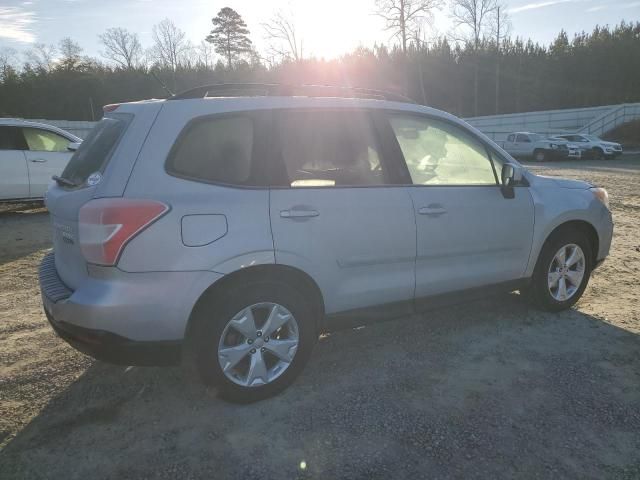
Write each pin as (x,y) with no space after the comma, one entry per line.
(477,69)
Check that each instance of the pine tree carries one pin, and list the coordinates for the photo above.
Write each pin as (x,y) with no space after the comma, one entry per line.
(229,35)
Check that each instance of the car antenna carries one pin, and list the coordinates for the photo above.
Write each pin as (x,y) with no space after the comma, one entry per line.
(167,89)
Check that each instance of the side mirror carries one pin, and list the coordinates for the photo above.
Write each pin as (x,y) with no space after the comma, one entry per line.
(511,176)
(73,146)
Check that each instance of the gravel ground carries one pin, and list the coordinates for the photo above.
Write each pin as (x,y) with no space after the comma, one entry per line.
(490,389)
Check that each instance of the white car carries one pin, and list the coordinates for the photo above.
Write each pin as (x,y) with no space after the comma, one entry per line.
(593,146)
(540,148)
(30,154)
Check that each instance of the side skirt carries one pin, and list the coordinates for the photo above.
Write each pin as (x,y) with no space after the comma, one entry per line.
(362,316)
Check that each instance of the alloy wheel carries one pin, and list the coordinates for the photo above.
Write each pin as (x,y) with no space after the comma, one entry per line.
(566,272)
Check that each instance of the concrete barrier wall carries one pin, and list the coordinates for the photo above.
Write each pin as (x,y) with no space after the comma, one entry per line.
(498,127)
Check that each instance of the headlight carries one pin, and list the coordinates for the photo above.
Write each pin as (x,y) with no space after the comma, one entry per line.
(602,195)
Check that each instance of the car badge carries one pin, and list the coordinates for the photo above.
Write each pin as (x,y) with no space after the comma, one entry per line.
(94,179)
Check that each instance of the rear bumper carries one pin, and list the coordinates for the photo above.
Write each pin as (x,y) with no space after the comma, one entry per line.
(112,348)
(123,318)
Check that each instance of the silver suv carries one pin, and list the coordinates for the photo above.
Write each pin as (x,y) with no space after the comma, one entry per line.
(228,225)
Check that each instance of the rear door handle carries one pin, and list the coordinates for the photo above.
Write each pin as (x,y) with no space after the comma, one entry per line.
(432,210)
(38,160)
(298,213)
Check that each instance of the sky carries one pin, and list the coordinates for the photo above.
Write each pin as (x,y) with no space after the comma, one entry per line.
(324,33)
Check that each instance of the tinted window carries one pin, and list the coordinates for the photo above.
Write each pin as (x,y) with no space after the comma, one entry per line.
(522,138)
(44,140)
(438,153)
(215,150)
(11,139)
(94,152)
(329,148)
(510,138)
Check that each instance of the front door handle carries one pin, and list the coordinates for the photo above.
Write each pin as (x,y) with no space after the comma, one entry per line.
(38,160)
(432,210)
(298,213)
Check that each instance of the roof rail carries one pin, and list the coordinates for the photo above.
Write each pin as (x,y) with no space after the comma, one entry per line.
(281,90)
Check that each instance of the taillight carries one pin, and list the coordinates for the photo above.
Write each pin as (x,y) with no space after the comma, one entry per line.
(106,225)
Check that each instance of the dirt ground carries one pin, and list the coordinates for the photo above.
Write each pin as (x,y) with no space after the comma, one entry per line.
(491,389)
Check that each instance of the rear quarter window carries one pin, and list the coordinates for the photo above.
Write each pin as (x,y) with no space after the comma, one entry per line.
(215,150)
(94,152)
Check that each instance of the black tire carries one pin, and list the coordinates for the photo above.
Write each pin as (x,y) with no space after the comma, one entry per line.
(598,154)
(540,155)
(538,292)
(214,313)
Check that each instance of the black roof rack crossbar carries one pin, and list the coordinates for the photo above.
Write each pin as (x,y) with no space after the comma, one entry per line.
(281,90)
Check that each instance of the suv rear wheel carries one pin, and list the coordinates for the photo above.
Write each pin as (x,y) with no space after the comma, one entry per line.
(562,272)
(256,343)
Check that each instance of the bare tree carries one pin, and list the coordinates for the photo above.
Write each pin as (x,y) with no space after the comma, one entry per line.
(281,35)
(70,53)
(170,44)
(122,47)
(41,56)
(404,17)
(205,54)
(502,29)
(8,58)
(475,19)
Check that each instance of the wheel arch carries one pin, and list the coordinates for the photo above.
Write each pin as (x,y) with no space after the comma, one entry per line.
(582,225)
(291,276)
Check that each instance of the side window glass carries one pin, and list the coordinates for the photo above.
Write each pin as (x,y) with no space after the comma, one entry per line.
(329,148)
(523,138)
(44,140)
(438,153)
(11,139)
(215,150)
(510,138)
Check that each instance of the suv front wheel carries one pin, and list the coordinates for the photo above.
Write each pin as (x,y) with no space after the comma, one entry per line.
(256,343)
(562,272)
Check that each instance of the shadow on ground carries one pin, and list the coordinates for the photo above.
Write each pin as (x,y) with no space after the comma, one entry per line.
(490,389)
(24,229)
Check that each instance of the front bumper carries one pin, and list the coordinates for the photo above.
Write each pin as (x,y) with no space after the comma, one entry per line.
(123,318)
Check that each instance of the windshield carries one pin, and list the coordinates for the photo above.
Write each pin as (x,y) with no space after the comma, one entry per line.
(94,152)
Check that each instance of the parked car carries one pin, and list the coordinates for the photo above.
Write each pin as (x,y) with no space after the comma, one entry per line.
(593,146)
(539,147)
(30,153)
(228,232)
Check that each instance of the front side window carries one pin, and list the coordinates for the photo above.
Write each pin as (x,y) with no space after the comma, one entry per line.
(438,153)
(216,149)
(44,141)
(329,148)
(522,138)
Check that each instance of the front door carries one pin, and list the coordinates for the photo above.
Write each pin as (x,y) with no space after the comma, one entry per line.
(14,176)
(47,155)
(468,234)
(337,213)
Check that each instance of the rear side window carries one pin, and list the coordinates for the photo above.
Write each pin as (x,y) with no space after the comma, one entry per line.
(216,150)
(44,140)
(94,151)
(329,148)
(11,139)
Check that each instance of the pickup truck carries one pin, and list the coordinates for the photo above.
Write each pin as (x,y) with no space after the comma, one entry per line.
(540,148)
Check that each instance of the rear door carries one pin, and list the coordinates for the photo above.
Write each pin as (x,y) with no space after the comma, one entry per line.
(337,212)
(47,155)
(14,176)
(468,234)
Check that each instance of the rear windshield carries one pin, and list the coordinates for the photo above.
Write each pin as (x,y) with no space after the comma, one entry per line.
(94,151)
